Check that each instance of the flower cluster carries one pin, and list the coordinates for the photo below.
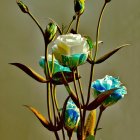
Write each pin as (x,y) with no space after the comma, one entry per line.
(69,50)
(107,83)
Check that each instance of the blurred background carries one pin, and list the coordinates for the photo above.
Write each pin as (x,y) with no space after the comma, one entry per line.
(21,41)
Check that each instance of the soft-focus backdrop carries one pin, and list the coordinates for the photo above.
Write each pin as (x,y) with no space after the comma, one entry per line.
(21,41)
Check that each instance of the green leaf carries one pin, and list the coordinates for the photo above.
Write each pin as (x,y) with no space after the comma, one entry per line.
(90,137)
(30,72)
(106,56)
(90,42)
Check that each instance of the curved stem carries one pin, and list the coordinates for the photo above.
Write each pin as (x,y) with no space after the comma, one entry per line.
(55,100)
(96,50)
(92,65)
(46,44)
(98,30)
(37,23)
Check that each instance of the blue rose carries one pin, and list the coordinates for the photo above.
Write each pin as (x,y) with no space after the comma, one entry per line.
(72,116)
(107,83)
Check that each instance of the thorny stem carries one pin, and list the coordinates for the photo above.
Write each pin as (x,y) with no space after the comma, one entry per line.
(99,118)
(77,23)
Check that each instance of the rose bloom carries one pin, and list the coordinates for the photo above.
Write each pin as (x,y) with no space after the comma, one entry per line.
(70,50)
(107,83)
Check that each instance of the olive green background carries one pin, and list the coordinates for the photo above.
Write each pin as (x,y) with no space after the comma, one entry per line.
(21,41)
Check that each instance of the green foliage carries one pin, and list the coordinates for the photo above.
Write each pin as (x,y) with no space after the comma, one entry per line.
(90,137)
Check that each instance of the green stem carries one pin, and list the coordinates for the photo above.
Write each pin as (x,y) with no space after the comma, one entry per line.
(74,81)
(57,108)
(37,23)
(81,117)
(80,87)
(48,102)
(68,88)
(46,60)
(70,24)
(53,104)
(98,30)
(96,50)
(77,23)
(46,44)
(92,65)
(90,80)
(99,118)
(55,100)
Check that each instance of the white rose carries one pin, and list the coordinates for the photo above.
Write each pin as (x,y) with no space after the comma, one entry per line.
(69,48)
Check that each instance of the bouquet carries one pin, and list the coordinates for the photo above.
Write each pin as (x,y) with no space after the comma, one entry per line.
(69,50)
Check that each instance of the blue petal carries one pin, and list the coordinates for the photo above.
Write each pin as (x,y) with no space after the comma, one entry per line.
(98,86)
(107,83)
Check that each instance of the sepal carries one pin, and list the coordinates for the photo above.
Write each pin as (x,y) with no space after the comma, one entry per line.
(30,72)
(22,6)
(100,99)
(108,55)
